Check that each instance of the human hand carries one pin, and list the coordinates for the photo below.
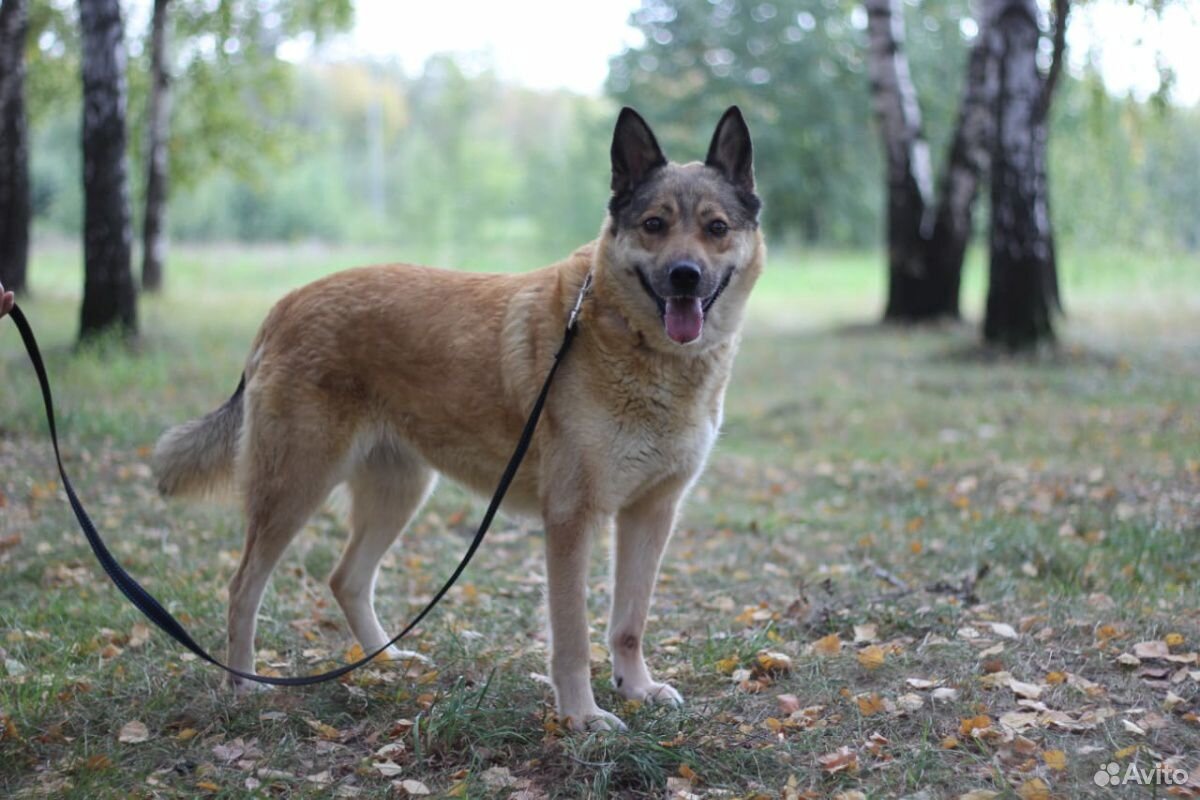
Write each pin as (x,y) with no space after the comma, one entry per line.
(7,301)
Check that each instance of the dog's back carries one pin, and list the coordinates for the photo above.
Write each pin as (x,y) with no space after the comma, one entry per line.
(444,362)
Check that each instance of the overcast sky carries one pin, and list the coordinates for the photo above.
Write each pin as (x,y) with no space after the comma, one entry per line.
(567,43)
(543,44)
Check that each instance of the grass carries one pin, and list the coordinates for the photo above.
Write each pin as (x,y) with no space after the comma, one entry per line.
(884,483)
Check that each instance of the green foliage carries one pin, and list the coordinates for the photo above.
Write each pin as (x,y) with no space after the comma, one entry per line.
(1124,172)
(231,92)
(453,166)
(231,88)
(52,59)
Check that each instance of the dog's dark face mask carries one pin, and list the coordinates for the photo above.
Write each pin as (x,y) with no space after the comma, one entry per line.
(681,233)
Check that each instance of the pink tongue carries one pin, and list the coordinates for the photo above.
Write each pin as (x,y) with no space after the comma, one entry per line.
(684,318)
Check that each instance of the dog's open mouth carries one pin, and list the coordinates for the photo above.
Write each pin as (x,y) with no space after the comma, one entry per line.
(683,316)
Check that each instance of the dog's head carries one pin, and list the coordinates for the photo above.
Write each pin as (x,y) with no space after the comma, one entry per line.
(681,248)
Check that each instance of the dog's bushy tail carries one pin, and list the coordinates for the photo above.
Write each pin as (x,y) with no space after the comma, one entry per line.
(197,457)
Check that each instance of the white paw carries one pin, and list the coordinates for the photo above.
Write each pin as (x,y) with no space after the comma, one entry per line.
(394,653)
(652,693)
(597,719)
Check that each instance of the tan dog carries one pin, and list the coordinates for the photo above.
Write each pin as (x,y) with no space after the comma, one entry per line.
(383,377)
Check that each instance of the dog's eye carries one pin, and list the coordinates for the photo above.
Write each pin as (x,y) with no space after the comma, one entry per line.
(718,228)
(653,225)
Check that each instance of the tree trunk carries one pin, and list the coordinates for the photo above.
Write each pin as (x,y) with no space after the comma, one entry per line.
(153,227)
(1022,283)
(109,296)
(912,290)
(14,145)
(967,164)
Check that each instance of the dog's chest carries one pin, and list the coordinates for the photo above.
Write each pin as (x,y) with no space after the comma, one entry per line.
(654,426)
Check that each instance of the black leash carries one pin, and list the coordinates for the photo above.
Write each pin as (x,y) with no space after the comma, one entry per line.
(154,611)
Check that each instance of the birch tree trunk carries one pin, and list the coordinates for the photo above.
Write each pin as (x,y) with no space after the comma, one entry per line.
(14,145)
(1022,281)
(967,163)
(158,131)
(109,297)
(911,290)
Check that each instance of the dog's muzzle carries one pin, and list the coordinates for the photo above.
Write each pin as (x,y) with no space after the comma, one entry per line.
(683,313)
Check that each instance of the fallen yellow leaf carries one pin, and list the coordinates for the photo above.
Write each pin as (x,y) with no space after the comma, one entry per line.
(326,731)
(10,730)
(871,657)
(726,666)
(969,726)
(770,661)
(1055,759)
(829,645)
(1034,789)
(869,704)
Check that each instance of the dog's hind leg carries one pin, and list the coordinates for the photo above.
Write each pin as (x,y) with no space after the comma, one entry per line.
(386,490)
(642,532)
(290,464)
(273,520)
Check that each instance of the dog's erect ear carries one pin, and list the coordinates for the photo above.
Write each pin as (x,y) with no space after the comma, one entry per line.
(635,151)
(731,151)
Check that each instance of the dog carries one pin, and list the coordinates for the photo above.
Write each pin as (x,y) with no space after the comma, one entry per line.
(383,377)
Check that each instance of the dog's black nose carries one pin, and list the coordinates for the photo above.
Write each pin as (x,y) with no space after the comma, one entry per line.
(684,277)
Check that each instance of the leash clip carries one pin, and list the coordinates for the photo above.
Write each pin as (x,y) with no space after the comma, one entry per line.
(583,291)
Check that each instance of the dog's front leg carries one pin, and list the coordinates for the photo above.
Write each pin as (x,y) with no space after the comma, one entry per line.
(568,542)
(643,529)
